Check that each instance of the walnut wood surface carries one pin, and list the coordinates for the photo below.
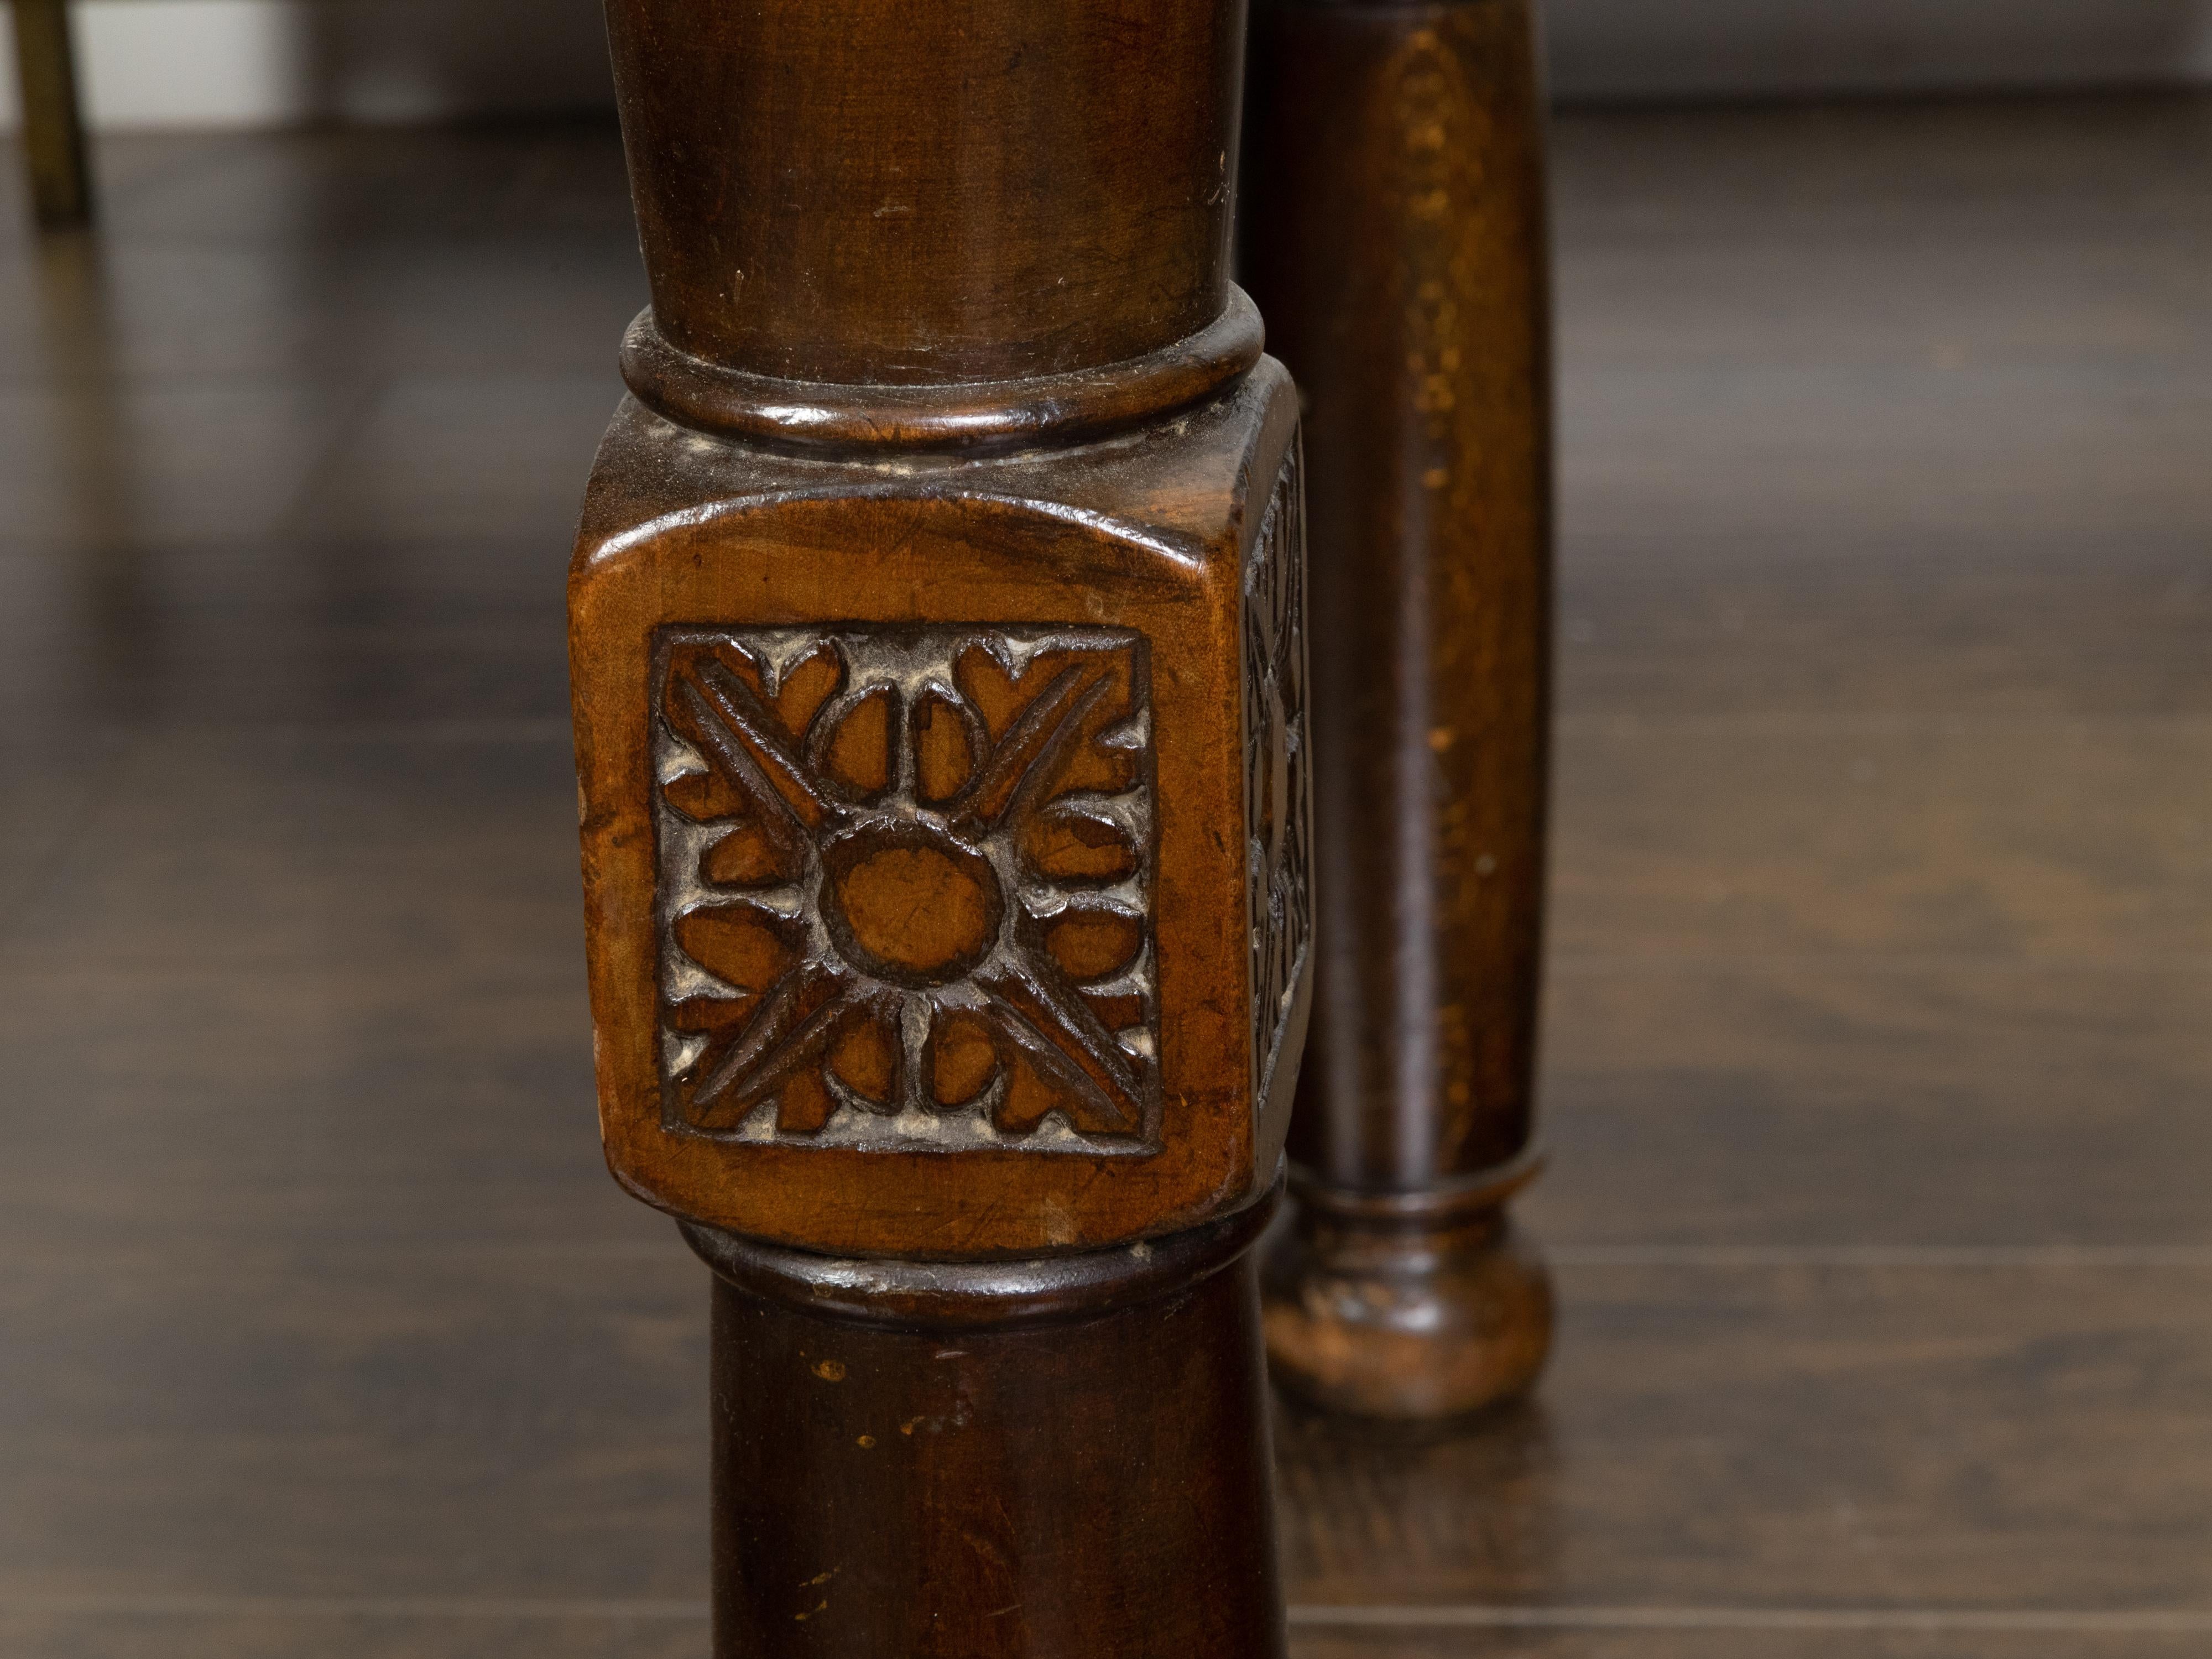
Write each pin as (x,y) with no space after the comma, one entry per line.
(1875,1037)
(1396,238)
(937,634)
(981,189)
(979,1460)
(1395,242)
(921,923)
(1136,563)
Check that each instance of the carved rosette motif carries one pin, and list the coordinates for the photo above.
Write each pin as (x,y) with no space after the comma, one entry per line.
(1277,809)
(903,887)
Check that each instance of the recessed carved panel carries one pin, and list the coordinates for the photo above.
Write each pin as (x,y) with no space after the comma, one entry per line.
(1278,816)
(903,887)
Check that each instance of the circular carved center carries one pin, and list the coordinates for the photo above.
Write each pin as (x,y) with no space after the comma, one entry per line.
(908,903)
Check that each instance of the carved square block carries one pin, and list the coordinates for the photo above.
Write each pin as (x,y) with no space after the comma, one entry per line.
(945,845)
(1278,793)
(904,887)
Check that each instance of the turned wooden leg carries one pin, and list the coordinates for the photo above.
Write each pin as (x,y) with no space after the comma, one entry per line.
(937,634)
(53,125)
(1395,239)
(935,1458)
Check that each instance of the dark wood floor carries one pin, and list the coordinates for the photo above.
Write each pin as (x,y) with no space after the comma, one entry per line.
(1878,1063)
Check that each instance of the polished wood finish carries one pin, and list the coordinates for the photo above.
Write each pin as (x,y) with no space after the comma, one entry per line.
(937,634)
(1425,1304)
(1014,645)
(986,190)
(53,128)
(1874,1025)
(1396,242)
(1065,1456)
(941,581)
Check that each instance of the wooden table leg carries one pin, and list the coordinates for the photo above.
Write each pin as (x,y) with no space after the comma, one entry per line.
(53,125)
(937,636)
(1396,242)
(952,1460)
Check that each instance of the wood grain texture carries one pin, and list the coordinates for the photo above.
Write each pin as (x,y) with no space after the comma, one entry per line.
(847,192)
(501,1425)
(1153,541)
(943,813)
(1882,1454)
(1414,135)
(1075,1484)
(1996,840)
(326,1332)
(833,1007)
(1782,1635)
(1851,1097)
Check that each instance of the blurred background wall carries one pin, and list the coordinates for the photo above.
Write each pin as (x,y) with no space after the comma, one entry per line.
(271,63)
(252,62)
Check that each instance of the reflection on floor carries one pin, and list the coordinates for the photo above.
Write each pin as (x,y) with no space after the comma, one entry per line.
(1878,1059)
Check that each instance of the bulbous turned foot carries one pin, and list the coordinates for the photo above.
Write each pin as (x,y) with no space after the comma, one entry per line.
(1407,1305)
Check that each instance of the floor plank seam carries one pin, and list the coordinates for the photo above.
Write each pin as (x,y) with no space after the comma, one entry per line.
(2132,1256)
(2118,1621)
(1568,965)
(1307,1615)
(2186,1258)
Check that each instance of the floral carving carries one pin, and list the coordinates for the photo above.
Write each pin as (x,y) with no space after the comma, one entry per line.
(904,887)
(1278,812)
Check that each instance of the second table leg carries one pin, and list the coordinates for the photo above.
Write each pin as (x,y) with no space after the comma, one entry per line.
(1396,243)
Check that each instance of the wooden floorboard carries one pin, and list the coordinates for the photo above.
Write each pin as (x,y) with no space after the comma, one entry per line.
(474,1423)
(1877,1055)
(2005,627)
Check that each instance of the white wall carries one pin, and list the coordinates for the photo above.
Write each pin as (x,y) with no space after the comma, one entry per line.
(258,63)
(169,63)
